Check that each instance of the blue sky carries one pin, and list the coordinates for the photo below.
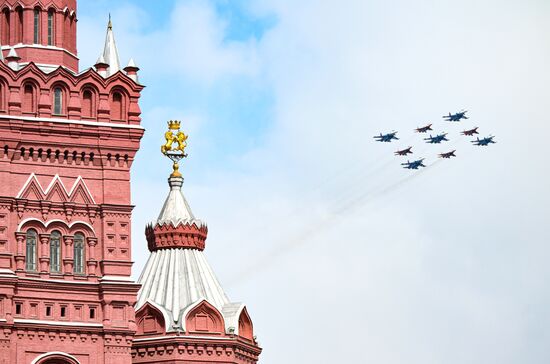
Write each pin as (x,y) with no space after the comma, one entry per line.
(316,227)
(243,103)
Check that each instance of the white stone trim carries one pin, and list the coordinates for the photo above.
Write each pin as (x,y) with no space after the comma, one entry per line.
(40,357)
(40,46)
(56,323)
(116,279)
(71,121)
(46,224)
(57,281)
(184,337)
(52,183)
(31,177)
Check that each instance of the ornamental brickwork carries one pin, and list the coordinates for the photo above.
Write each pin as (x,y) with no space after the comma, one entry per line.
(68,140)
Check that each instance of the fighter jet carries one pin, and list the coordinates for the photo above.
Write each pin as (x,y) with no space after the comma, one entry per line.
(404,151)
(470,132)
(423,129)
(387,138)
(414,165)
(437,139)
(448,155)
(456,117)
(485,141)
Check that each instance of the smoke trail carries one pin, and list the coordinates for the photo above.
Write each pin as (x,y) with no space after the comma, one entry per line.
(317,227)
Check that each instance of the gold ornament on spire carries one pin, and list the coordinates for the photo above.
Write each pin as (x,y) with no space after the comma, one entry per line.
(174,148)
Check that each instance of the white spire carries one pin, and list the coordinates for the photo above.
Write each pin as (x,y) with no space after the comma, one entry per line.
(110,52)
(132,63)
(176,210)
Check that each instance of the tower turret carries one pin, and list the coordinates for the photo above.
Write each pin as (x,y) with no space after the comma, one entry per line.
(181,303)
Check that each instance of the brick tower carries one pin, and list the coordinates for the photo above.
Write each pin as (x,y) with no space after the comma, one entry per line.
(67,142)
(183,315)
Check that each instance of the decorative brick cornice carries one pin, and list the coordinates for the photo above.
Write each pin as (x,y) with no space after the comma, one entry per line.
(233,350)
(183,235)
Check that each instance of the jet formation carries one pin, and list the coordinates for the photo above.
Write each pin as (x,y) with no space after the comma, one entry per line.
(437,139)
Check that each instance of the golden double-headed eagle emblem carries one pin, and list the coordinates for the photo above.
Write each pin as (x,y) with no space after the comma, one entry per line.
(174,148)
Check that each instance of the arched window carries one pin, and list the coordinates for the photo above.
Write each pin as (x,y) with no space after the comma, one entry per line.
(87,104)
(79,254)
(31,251)
(55,252)
(58,101)
(36,26)
(51,26)
(19,25)
(5,26)
(28,99)
(117,106)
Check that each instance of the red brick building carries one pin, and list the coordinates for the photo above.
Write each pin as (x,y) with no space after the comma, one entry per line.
(68,138)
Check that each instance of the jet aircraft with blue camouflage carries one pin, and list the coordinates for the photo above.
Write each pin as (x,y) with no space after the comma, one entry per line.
(387,138)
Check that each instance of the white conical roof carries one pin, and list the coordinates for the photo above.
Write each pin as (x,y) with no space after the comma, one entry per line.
(132,63)
(176,279)
(110,52)
(176,210)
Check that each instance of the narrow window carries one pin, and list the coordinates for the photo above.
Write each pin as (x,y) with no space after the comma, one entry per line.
(50,28)
(19,22)
(92,313)
(87,104)
(48,311)
(28,99)
(36,26)
(79,254)
(31,250)
(116,113)
(57,101)
(63,311)
(18,308)
(55,252)
(6,27)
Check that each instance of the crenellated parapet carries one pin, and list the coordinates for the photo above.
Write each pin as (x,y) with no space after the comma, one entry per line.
(183,235)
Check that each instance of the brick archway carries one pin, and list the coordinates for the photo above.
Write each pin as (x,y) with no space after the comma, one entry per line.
(55,358)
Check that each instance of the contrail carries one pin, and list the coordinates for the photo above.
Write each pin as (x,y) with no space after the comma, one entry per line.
(314,229)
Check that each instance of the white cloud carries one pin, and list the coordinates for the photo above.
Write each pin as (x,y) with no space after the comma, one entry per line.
(449,266)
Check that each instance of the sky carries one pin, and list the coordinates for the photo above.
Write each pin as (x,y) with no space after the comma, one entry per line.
(340,254)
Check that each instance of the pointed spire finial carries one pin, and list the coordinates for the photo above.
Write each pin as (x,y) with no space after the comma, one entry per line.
(110,51)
